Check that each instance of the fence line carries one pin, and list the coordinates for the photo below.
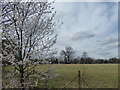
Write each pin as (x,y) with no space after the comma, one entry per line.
(79,78)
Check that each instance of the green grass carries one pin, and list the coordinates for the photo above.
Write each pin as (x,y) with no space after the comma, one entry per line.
(96,75)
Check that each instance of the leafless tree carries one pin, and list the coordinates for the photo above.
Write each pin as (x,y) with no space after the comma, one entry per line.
(84,55)
(29,33)
(67,54)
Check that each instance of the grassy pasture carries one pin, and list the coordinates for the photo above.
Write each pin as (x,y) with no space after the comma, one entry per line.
(95,75)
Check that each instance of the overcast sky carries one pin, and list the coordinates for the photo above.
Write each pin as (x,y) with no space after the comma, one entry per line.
(90,27)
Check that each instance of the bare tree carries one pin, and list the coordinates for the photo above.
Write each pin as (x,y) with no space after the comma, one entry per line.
(67,54)
(28,29)
(84,58)
(84,55)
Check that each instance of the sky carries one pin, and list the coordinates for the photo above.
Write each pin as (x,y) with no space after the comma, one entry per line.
(90,27)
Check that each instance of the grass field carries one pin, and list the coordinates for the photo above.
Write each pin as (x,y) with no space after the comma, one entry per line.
(96,75)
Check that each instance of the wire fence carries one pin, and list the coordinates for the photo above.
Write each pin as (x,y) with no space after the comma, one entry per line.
(79,80)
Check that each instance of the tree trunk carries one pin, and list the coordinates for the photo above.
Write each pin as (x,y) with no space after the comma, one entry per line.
(22,78)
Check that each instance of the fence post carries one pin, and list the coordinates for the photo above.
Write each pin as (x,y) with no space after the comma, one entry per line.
(79,79)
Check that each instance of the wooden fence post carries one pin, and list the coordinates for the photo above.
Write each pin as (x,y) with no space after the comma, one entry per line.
(79,79)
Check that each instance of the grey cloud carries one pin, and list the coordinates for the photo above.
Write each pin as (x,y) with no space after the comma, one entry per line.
(108,42)
(104,53)
(83,35)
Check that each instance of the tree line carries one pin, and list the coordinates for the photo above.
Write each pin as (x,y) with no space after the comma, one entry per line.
(67,56)
(91,61)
